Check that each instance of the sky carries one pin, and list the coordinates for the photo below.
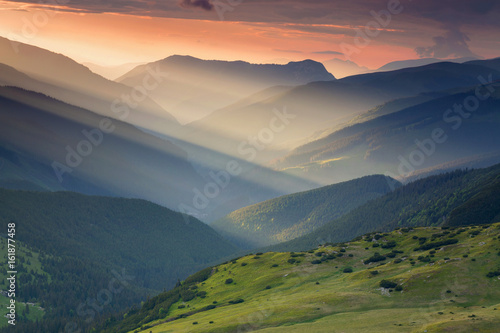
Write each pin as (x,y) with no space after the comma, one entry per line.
(369,32)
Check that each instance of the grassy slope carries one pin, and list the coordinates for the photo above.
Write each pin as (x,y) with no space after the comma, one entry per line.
(291,216)
(450,293)
(35,312)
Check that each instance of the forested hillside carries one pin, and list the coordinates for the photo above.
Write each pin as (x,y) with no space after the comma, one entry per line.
(129,233)
(484,207)
(82,242)
(56,291)
(426,202)
(294,215)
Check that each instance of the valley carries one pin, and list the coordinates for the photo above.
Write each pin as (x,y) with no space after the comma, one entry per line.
(239,166)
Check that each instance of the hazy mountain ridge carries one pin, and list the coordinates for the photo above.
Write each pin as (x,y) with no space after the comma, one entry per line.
(384,144)
(88,155)
(193,88)
(434,77)
(479,161)
(400,64)
(63,78)
(303,110)
(114,167)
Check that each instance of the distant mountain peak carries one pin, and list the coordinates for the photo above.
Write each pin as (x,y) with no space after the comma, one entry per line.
(189,57)
(195,87)
(308,67)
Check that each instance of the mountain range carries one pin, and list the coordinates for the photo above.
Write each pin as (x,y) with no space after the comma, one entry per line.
(182,163)
(388,137)
(166,164)
(324,132)
(318,106)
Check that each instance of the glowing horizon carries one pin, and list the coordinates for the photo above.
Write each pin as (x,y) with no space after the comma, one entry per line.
(109,37)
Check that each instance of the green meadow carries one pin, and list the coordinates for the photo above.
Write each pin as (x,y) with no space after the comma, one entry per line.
(435,279)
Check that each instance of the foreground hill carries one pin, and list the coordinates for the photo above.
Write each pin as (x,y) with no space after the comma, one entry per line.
(409,280)
(287,217)
(431,201)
